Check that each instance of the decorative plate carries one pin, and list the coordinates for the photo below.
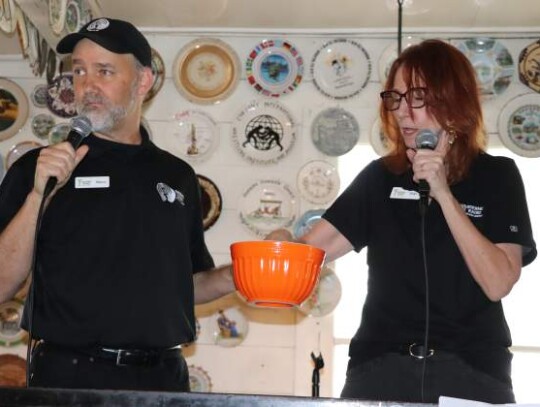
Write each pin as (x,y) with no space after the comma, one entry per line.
(318,182)
(274,68)
(11,333)
(196,133)
(39,95)
(22,31)
(306,221)
(60,96)
(335,131)
(230,327)
(13,108)
(59,133)
(43,56)
(158,69)
(264,132)
(492,62)
(390,53)
(529,66)
(57,15)
(12,370)
(51,65)
(519,125)
(341,68)
(206,70)
(199,380)
(42,124)
(325,296)
(77,15)
(34,44)
(378,140)
(268,205)
(20,149)
(8,21)
(211,201)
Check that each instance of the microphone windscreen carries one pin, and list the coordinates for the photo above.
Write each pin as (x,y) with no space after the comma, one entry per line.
(427,138)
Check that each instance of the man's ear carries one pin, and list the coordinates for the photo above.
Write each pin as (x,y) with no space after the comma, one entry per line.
(146,81)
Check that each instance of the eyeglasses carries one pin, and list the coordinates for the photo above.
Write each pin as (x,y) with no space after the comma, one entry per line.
(415,97)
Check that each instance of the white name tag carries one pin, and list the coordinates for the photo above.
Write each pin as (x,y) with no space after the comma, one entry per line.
(92,182)
(400,193)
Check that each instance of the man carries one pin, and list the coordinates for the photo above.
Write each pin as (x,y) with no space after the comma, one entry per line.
(119,264)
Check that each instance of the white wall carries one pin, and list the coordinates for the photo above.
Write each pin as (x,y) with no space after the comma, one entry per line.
(275,356)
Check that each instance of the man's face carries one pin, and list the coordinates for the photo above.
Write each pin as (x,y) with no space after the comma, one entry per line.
(106,85)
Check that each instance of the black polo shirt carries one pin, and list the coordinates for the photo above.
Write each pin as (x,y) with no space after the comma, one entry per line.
(461,316)
(117,247)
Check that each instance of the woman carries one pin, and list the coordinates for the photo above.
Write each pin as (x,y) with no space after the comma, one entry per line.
(432,322)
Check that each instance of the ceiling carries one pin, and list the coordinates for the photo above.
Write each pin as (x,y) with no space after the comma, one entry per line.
(364,15)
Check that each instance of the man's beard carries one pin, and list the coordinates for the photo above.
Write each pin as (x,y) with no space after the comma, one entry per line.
(108,116)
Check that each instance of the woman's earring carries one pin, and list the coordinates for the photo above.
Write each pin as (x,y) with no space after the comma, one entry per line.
(452,138)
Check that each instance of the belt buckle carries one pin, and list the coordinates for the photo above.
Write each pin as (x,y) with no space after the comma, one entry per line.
(430,352)
(119,354)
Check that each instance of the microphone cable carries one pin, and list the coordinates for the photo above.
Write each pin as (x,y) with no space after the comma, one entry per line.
(423,210)
(32,290)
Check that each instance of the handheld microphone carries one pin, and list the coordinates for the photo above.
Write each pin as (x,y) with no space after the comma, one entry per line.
(425,138)
(80,128)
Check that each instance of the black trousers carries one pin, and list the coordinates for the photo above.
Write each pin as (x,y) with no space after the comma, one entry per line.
(398,377)
(55,367)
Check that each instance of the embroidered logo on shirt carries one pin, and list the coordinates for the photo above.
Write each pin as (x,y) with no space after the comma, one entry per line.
(167,194)
(473,211)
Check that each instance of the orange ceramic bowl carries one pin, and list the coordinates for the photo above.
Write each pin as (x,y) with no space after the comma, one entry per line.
(275,274)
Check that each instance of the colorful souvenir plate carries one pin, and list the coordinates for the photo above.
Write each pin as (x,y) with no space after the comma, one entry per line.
(12,370)
(42,124)
(268,205)
(325,296)
(492,62)
(22,30)
(306,221)
(196,134)
(211,201)
(341,68)
(8,22)
(519,125)
(230,327)
(39,95)
(20,149)
(206,70)
(318,182)
(274,68)
(13,108)
(59,133)
(57,15)
(378,140)
(60,96)
(158,69)
(199,380)
(529,66)
(77,15)
(11,333)
(264,132)
(51,65)
(34,44)
(389,55)
(335,131)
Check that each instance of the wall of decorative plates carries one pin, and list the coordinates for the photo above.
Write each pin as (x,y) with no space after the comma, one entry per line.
(264,119)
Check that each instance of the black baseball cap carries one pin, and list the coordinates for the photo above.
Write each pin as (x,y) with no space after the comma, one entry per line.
(117,36)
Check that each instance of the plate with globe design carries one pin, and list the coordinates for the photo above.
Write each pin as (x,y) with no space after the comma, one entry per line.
(264,132)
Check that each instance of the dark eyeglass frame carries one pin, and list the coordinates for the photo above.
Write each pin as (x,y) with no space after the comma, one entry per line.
(388,95)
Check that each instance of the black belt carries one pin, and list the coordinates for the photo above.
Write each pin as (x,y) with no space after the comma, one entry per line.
(126,357)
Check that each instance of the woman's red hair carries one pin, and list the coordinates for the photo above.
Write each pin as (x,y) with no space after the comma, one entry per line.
(452,99)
